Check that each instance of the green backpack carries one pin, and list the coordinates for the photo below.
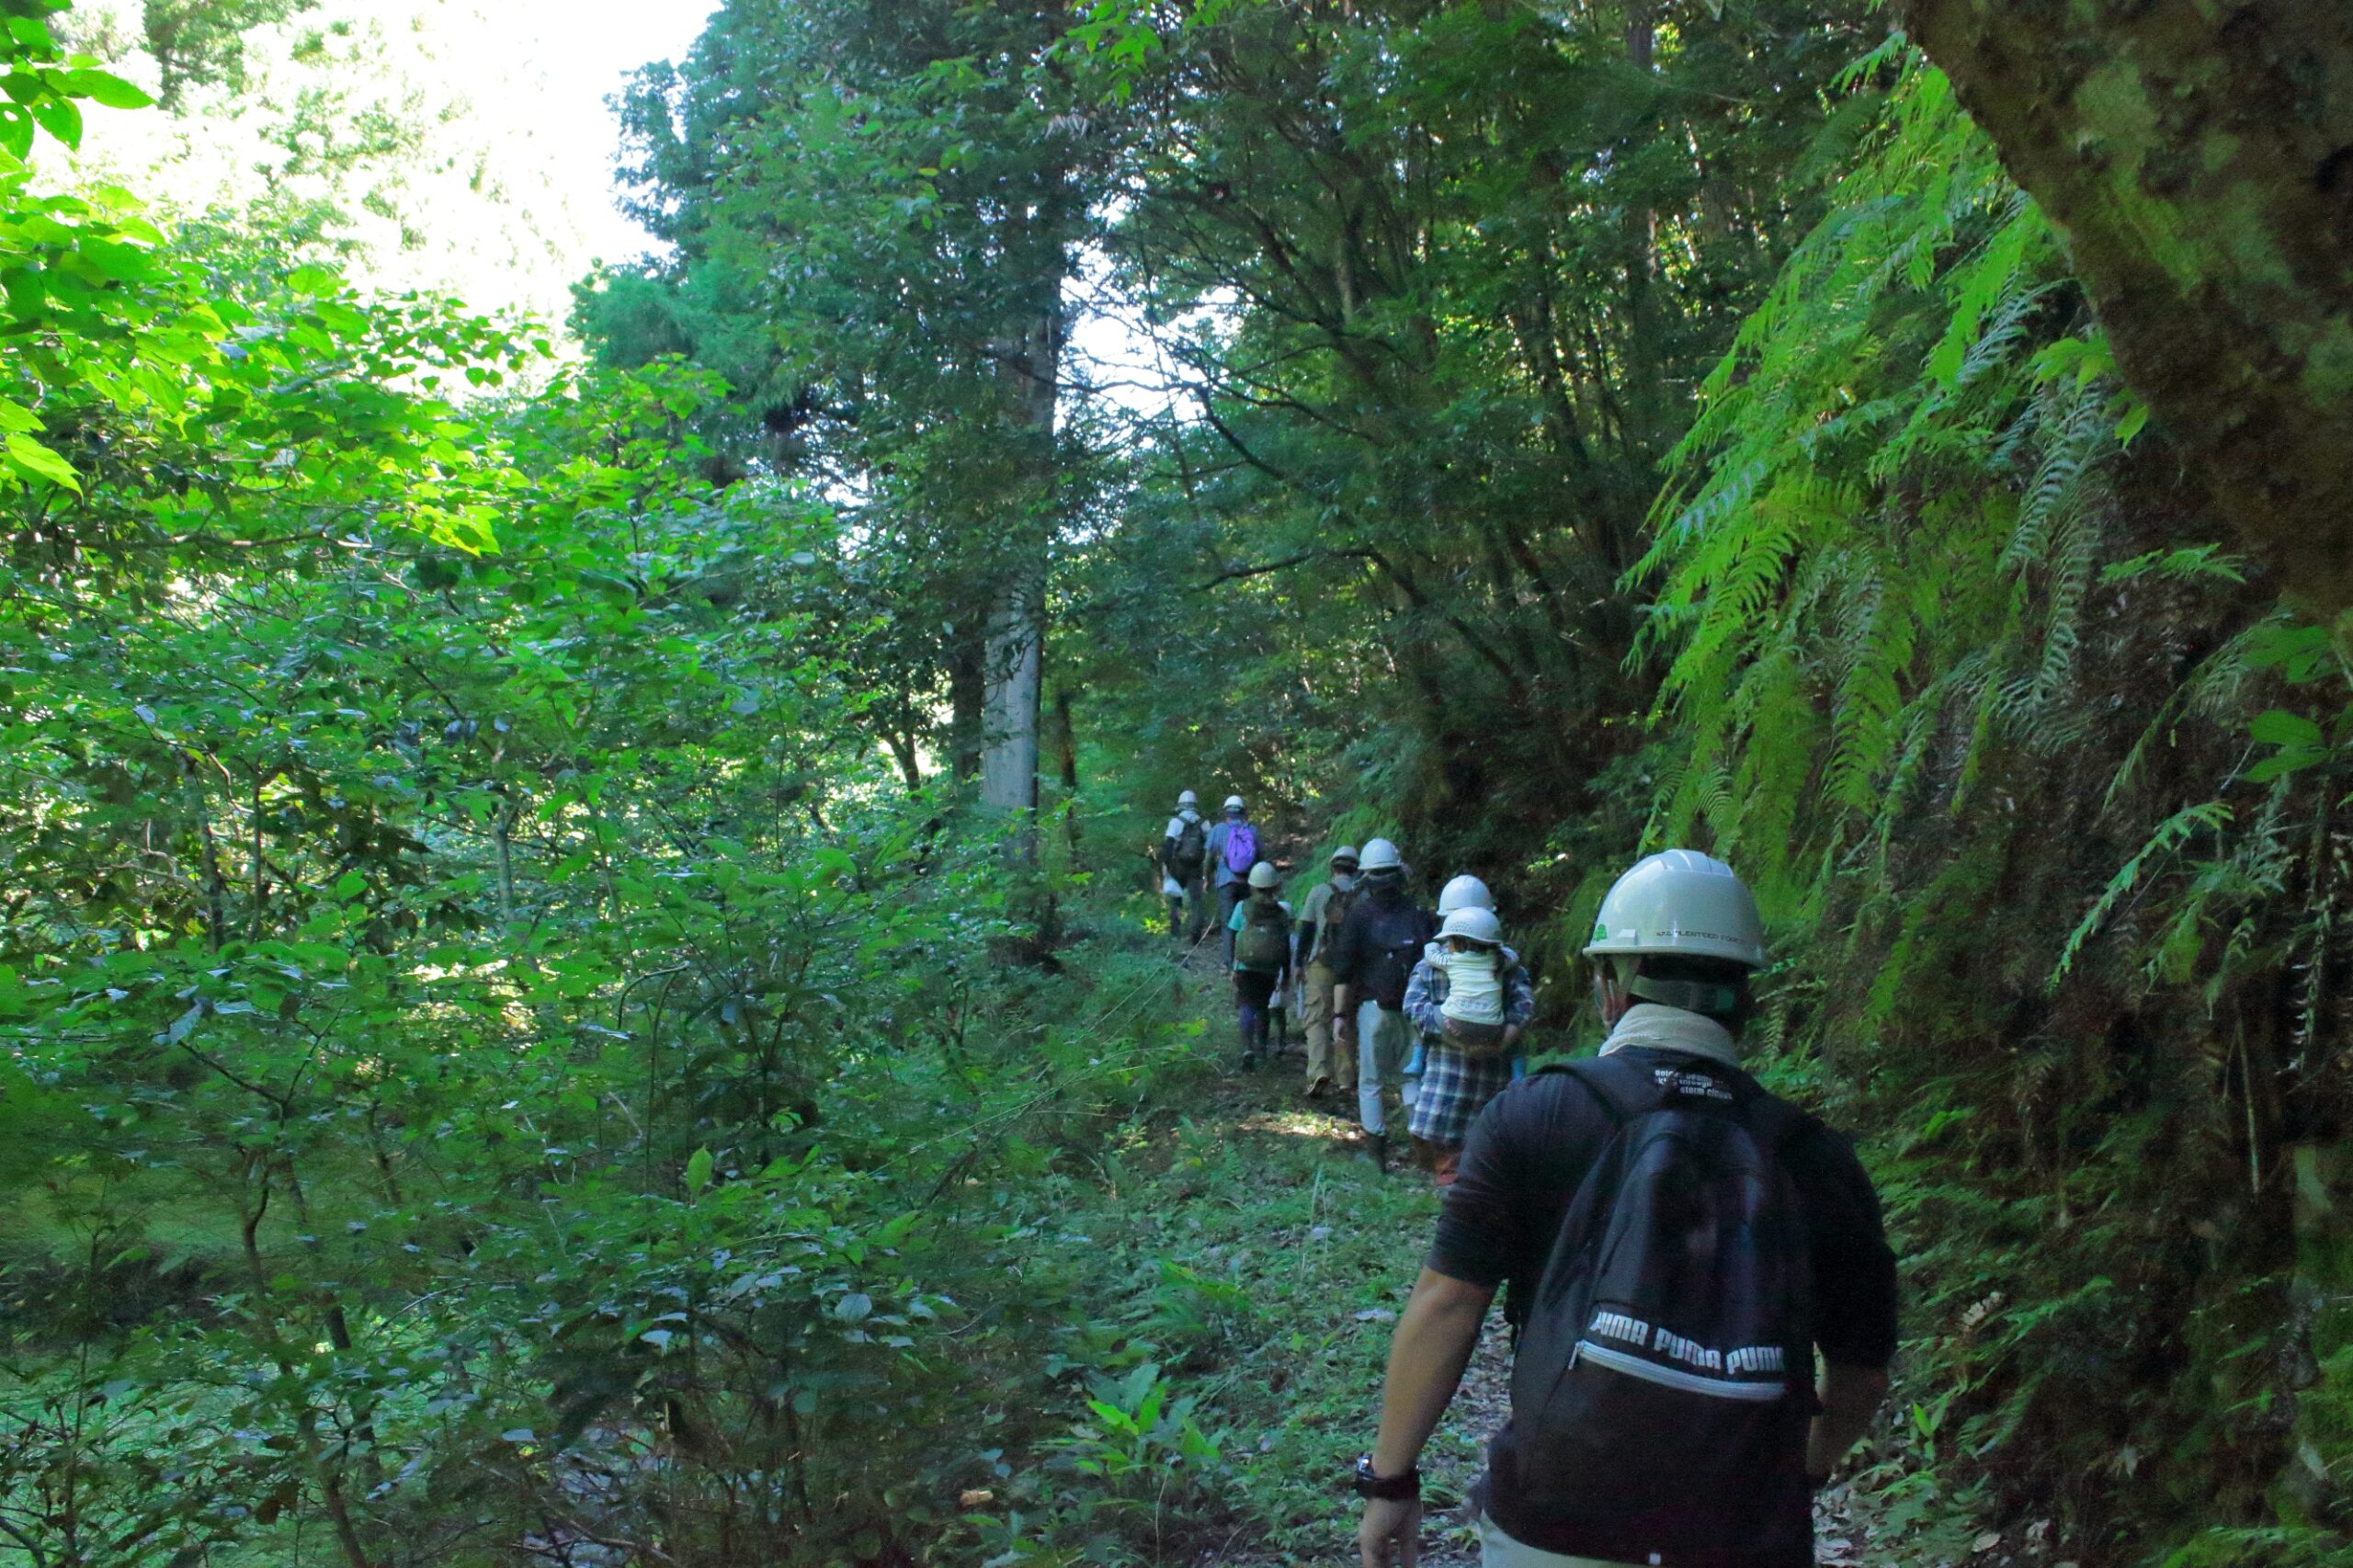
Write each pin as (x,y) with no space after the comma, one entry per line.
(1264,942)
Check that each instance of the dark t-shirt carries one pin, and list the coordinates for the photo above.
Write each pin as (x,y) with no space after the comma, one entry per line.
(1376,949)
(1528,1154)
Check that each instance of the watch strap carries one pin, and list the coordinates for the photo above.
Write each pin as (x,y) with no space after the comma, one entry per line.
(1371,1484)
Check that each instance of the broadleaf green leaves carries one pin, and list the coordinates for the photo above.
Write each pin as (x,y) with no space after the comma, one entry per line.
(105,87)
(30,460)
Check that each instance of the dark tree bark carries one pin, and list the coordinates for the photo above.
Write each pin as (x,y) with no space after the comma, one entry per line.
(1066,751)
(2198,155)
(967,698)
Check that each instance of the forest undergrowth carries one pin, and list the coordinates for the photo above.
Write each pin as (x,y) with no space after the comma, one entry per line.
(1164,1288)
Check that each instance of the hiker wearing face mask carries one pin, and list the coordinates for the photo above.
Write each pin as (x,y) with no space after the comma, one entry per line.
(1232,850)
(1184,858)
(1379,945)
(1259,929)
(1470,999)
(1320,920)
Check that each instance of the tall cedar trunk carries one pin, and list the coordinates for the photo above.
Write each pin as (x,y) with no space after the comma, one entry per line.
(1009,731)
(1017,629)
(2198,158)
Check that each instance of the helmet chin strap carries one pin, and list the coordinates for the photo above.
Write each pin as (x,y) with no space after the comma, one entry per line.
(1691,996)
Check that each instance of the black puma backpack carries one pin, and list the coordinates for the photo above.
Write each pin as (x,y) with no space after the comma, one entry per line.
(1663,1378)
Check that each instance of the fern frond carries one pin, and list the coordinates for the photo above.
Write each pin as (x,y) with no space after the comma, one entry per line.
(2170,834)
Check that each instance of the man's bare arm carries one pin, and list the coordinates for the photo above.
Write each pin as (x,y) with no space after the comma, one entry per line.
(1851,1396)
(1433,1343)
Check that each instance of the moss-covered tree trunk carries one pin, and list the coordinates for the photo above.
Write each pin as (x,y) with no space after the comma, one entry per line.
(2198,156)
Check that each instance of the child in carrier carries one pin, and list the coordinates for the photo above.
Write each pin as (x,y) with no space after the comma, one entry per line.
(1473,1008)
(1260,928)
(1470,998)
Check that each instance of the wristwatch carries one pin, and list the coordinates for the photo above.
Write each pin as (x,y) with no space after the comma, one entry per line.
(1386,1488)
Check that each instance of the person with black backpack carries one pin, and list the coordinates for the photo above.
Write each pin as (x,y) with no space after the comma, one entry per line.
(1184,856)
(1260,931)
(1676,1245)
(1379,943)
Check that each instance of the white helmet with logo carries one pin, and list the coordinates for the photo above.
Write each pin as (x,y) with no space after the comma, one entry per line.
(1380,855)
(1234,802)
(1680,901)
(1473,924)
(1264,875)
(1188,798)
(1465,892)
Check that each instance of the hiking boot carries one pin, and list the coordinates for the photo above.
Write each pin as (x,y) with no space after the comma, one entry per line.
(1249,1061)
(1318,1090)
(1376,1149)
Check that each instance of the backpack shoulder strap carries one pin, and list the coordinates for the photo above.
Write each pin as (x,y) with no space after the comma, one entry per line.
(1619,1087)
(1774,1122)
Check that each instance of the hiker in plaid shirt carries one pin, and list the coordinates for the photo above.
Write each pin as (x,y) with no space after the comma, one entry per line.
(1457,1082)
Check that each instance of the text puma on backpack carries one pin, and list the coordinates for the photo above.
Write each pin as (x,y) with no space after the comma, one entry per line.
(1663,1383)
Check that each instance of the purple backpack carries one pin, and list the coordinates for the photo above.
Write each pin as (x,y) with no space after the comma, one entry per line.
(1241,847)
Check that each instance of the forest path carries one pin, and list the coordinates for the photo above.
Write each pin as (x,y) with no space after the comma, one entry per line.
(1305,1514)
(1268,1116)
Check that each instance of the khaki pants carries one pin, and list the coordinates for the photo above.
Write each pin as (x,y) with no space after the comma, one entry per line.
(1497,1549)
(1315,1017)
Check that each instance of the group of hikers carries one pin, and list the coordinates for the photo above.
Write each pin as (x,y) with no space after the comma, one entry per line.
(1429,1005)
(1676,1245)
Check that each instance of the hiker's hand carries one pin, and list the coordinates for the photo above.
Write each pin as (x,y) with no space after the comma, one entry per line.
(1390,1533)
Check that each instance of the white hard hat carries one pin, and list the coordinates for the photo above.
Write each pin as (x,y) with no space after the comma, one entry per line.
(1473,924)
(1680,901)
(1234,802)
(1345,852)
(1465,892)
(1188,798)
(1380,855)
(1264,875)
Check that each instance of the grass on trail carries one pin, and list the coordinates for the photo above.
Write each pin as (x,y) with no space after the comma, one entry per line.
(1251,1232)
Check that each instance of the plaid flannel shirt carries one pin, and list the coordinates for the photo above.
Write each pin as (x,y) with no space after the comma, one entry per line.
(1455,1087)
